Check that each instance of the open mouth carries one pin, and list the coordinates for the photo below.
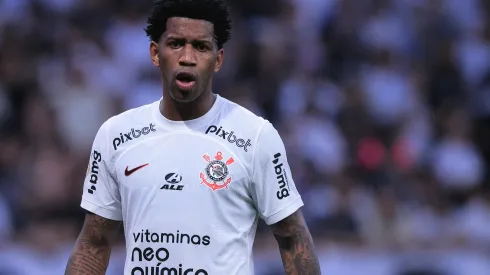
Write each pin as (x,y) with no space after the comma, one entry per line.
(185,80)
(185,77)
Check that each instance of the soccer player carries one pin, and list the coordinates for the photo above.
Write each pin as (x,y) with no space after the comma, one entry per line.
(189,175)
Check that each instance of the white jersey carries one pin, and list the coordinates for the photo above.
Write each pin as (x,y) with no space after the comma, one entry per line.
(189,193)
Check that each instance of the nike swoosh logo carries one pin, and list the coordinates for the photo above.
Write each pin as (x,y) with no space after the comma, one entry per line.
(129,172)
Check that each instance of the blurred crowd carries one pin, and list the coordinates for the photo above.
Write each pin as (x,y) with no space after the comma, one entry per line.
(384,107)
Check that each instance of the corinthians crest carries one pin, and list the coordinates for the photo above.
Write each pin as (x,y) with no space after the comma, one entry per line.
(216,172)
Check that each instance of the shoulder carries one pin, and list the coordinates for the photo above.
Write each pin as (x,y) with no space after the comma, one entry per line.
(131,118)
(127,126)
(266,140)
(258,137)
(242,120)
(261,128)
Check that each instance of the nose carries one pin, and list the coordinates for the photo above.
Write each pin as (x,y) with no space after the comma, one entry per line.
(187,57)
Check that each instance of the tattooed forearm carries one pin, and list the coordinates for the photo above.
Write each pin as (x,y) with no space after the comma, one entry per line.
(296,246)
(91,253)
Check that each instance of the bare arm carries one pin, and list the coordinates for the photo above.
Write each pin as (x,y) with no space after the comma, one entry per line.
(92,250)
(296,246)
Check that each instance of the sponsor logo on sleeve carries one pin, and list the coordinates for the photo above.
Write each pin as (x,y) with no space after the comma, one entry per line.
(132,134)
(229,136)
(281,177)
(93,170)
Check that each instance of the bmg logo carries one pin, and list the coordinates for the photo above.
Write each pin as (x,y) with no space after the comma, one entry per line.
(282,178)
(94,170)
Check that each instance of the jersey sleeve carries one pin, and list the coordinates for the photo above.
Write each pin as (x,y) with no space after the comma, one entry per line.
(273,189)
(100,190)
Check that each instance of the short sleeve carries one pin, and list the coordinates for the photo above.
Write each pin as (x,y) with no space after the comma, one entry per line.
(100,190)
(273,189)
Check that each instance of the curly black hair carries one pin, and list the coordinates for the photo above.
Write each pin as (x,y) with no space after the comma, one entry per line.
(214,11)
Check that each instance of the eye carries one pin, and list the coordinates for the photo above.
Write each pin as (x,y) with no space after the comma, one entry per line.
(174,44)
(202,47)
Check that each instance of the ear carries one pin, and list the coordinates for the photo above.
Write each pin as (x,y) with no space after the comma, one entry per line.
(154,54)
(219,60)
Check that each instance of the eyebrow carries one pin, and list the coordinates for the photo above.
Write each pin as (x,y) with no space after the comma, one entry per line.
(199,39)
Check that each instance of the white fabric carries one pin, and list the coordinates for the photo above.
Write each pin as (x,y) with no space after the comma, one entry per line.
(169,208)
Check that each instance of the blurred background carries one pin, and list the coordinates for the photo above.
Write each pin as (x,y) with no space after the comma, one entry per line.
(384,107)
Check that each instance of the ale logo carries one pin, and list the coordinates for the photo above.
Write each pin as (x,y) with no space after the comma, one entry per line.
(173,180)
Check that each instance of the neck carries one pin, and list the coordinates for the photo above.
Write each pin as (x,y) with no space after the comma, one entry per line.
(178,111)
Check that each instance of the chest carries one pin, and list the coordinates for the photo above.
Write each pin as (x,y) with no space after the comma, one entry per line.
(182,170)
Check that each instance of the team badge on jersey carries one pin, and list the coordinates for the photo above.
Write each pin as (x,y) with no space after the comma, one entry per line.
(216,173)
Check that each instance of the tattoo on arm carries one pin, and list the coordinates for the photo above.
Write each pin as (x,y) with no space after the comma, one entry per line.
(92,250)
(296,246)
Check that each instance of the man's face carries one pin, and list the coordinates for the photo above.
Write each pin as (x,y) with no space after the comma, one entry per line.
(187,57)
